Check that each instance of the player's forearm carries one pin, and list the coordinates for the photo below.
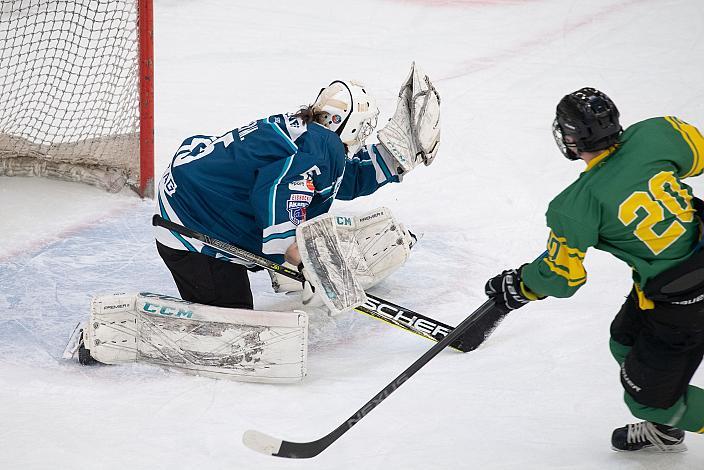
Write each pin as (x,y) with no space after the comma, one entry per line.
(545,279)
(366,172)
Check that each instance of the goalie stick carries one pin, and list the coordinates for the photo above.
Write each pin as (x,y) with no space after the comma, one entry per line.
(269,445)
(374,307)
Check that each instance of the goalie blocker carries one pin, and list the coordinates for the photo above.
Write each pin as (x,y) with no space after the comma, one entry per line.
(237,344)
(376,241)
(343,256)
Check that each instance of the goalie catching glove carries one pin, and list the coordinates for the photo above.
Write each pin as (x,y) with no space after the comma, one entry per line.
(412,135)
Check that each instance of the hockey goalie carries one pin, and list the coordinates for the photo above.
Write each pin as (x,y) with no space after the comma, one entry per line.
(342,255)
(254,186)
(214,330)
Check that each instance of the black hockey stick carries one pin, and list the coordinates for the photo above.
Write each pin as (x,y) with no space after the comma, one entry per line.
(374,307)
(266,444)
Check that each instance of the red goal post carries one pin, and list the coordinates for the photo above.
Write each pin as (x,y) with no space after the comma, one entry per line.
(77,91)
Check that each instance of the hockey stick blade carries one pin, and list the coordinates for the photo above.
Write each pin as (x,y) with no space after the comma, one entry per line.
(475,336)
(262,443)
(375,307)
(269,445)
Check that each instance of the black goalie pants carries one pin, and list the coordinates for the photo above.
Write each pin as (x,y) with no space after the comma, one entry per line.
(206,280)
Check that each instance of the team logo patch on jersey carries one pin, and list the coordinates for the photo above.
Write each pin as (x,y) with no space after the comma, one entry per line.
(305,185)
(336,118)
(296,211)
(311,172)
(300,197)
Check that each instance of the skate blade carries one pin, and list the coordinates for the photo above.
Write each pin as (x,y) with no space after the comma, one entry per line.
(654,450)
(74,342)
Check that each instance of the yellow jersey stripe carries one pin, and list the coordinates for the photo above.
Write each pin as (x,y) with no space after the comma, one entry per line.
(695,141)
(564,273)
(563,242)
(565,261)
(595,161)
(644,303)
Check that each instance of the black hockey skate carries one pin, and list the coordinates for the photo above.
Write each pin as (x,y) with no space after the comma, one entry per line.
(76,346)
(648,436)
(84,356)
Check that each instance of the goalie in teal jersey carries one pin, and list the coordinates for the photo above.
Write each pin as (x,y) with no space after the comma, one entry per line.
(254,185)
(631,201)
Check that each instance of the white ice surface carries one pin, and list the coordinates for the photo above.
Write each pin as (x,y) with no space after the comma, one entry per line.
(543,392)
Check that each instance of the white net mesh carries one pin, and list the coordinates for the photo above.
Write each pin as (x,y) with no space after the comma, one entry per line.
(69,92)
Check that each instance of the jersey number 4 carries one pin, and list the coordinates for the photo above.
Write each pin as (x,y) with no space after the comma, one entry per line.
(655,202)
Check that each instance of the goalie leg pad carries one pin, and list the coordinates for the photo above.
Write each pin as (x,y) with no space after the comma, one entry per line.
(238,344)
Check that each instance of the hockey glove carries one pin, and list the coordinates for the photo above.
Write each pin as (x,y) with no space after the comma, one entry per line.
(508,291)
(308,296)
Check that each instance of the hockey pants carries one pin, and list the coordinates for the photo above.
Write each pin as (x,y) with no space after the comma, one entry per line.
(659,351)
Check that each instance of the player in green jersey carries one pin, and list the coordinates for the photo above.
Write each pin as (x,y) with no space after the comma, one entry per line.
(631,202)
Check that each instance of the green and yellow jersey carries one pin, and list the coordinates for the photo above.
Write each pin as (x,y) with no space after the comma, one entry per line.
(631,202)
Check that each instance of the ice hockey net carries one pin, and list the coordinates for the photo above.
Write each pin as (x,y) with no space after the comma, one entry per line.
(76,91)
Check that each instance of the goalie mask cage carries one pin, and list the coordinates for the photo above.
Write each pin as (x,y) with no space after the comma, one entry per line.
(76,91)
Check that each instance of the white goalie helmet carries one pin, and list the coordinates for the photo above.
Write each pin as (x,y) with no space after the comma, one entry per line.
(348,110)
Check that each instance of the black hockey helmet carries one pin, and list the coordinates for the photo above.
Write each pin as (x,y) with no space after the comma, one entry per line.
(590,118)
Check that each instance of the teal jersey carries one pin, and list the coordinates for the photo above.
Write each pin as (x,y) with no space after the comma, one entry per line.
(255,184)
